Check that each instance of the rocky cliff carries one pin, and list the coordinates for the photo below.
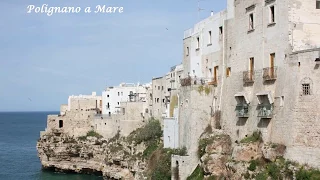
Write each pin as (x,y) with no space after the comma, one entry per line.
(115,158)
(251,158)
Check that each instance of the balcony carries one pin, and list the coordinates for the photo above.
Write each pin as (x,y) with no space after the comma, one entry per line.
(248,76)
(242,110)
(265,111)
(214,82)
(270,73)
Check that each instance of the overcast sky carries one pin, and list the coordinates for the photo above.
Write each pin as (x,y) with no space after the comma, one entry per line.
(45,59)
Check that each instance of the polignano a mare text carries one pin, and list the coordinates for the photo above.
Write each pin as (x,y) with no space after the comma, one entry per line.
(50,10)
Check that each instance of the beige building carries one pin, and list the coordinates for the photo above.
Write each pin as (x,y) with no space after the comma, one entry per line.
(76,117)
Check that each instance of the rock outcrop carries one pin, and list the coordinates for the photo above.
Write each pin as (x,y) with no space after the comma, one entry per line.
(114,158)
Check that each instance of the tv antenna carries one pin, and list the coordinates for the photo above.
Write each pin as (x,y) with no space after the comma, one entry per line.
(199,9)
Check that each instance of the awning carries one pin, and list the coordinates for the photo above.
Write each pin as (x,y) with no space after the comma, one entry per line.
(265,93)
(242,94)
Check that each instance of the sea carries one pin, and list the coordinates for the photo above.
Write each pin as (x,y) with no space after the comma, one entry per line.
(19,132)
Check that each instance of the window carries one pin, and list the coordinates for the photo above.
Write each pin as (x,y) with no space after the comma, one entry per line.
(209,37)
(251,20)
(157,100)
(272,20)
(228,71)
(163,100)
(220,32)
(198,43)
(118,103)
(251,68)
(121,93)
(318,4)
(306,89)
(158,87)
(118,93)
(60,123)
(108,95)
(215,74)
(193,71)
(210,70)
(162,88)
(187,51)
(282,101)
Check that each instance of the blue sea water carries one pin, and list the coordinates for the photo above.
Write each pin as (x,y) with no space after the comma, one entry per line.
(19,132)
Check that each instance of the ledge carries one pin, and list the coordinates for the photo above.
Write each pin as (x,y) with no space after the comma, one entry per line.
(197,49)
(250,31)
(209,44)
(271,24)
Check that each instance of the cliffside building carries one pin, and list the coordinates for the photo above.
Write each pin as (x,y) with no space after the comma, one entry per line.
(259,61)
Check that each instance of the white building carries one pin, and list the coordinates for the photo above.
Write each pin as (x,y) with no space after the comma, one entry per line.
(125,92)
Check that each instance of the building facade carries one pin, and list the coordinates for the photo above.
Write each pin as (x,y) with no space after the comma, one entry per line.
(262,59)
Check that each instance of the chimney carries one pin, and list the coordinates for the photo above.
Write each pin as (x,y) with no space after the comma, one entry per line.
(211,13)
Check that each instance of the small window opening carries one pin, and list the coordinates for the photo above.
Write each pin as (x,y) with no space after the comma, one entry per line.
(251,25)
(282,101)
(272,19)
(306,89)
(162,88)
(158,87)
(187,51)
(118,93)
(60,123)
(198,42)
(318,4)
(220,32)
(299,64)
(108,95)
(228,71)
(209,37)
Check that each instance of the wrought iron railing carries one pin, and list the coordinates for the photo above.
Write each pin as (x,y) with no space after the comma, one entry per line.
(242,110)
(248,76)
(265,110)
(269,73)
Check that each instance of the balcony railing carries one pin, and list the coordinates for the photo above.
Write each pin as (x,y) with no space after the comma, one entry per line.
(265,111)
(242,110)
(269,73)
(192,81)
(248,76)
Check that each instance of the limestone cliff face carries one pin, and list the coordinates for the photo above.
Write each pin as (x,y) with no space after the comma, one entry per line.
(249,159)
(113,158)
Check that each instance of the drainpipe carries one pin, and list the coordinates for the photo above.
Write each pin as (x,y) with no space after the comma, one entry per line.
(223,63)
(178,118)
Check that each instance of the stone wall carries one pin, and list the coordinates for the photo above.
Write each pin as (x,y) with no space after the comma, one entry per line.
(131,117)
(74,123)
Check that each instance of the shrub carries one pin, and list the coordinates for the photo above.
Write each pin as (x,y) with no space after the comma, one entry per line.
(273,171)
(253,165)
(255,137)
(149,132)
(262,176)
(200,89)
(304,174)
(207,90)
(94,134)
(197,174)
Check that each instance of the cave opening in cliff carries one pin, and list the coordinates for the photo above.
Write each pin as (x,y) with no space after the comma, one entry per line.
(60,123)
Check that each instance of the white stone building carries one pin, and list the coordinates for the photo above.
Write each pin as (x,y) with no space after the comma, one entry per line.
(125,92)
